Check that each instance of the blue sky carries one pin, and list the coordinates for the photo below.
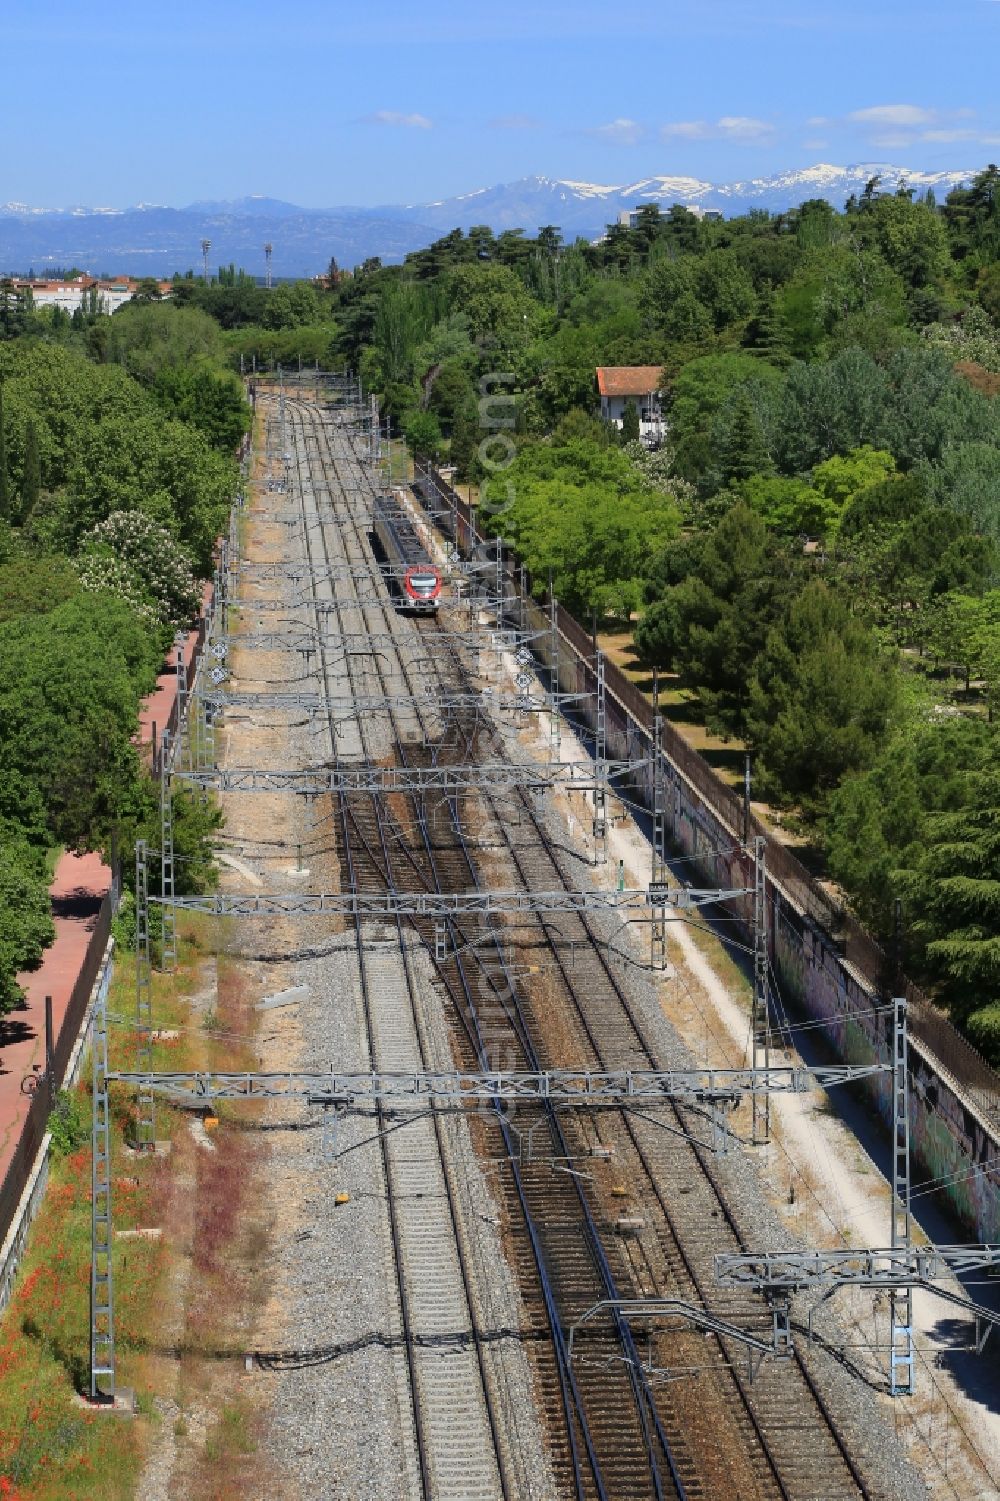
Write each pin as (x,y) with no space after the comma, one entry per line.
(326,103)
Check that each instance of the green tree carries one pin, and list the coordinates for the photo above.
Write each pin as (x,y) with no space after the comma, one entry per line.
(399,324)
(843,477)
(70,683)
(875,827)
(33,585)
(965,631)
(26,927)
(423,434)
(714,598)
(953,897)
(4,479)
(31,477)
(742,447)
(791,507)
(630,423)
(822,699)
(702,396)
(582,510)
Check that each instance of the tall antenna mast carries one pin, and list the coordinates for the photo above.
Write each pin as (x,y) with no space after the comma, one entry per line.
(267,261)
(206,246)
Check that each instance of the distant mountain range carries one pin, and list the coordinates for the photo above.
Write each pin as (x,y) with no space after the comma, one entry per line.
(152,240)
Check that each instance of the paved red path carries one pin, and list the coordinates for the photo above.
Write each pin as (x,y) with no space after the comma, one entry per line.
(77,890)
(79,885)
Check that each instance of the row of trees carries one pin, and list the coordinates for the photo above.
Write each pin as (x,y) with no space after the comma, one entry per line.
(113,488)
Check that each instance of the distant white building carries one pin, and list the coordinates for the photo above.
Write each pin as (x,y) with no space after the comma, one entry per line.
(628,218)
(620,386)
(71,295)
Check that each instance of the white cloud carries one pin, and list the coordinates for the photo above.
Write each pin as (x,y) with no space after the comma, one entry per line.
(743,128)
(910,115)
(816,120)
(620,132)
(727,128)
(394,117)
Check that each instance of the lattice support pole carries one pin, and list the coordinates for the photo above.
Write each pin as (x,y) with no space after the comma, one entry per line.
(146,1116)
(601,757)
(374,430)
(168,946)
(499,581)
(222,611)
(761,1017)
(658,920)
(102,1302)
(234,537)
(183,742)
(555,720)
(208,736)
(901,1356)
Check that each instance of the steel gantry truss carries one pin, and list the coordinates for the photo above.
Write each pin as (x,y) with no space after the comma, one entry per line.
(577,776)
(364,643)
(219,701)
(887,1267)
(382,905)
(563,1086)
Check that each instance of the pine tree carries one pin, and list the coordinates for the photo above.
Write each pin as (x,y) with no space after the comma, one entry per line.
(630,423)
(743,450)
(31,482)
(954,899)
(822,698)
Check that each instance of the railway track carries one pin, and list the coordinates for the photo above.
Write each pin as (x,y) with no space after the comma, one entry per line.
(559,1247)
(612,1432)
(454,1423)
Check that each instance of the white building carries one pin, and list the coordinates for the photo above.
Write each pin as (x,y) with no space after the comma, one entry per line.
(633,385)
(71,295)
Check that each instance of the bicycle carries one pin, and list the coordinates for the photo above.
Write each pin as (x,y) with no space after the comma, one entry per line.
(30,1082)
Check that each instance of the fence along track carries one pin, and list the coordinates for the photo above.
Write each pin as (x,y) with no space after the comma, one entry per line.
(611,1424)
(453,1420)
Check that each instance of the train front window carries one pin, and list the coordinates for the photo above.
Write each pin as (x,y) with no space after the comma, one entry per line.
(423,582)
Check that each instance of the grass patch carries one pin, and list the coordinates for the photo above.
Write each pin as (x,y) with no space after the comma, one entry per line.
(52,1448)
(735,979)
(230,1467)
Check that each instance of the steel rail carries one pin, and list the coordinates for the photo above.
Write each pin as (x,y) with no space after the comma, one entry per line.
(380,811)
(573,1408)
(705,1166)
(643,1399)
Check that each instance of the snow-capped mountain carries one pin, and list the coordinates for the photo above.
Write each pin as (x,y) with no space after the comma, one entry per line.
(151,239)
(585,208)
